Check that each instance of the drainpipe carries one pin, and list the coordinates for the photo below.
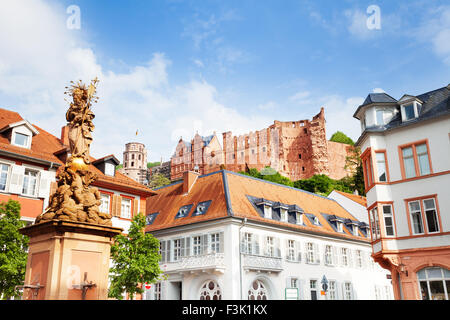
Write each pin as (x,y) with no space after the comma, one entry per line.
(240,255)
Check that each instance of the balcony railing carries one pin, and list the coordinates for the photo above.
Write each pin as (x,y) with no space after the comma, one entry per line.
(206,262)
(261,263)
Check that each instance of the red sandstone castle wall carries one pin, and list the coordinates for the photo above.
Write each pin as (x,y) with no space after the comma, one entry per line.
(296,149)
(337,153)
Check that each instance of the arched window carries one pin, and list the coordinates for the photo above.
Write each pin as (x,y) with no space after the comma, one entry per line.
(210,291)
(434,283)
(257,291)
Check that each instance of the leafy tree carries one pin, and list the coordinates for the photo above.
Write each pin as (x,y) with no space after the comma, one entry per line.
(341,137)
(13,249)
(119,166)
(353,161)
(158,180)
(135,260)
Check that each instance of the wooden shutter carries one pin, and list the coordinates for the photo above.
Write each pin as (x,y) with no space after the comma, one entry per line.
(286,242)
(335,261)
(16,182)
(187,246)
(45,177)
(204,244)
(163,251)
(298,248)
(221,242)
(135,207)
(316,253)
(256,244)
(277,247)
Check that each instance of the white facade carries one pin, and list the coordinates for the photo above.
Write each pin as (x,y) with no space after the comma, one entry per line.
(264,266)
(399,189)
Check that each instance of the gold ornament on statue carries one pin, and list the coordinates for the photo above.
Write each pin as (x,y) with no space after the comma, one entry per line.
(75,199)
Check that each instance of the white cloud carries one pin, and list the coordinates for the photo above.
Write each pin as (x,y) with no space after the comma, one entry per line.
(378,90)
(39,56)
(357,24)
(300,96)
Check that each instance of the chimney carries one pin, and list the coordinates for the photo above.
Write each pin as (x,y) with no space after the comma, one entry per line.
(189,178)
(65,135)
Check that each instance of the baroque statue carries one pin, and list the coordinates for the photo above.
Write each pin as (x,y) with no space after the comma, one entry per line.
(75,199)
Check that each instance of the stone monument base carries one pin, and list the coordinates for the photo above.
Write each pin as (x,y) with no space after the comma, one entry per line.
(68,260)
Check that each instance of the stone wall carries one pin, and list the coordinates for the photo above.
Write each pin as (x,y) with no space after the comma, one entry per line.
(296,149)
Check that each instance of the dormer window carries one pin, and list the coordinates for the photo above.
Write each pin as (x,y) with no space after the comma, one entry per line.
(299,218)
(316,221)
(410,110)
(267,211)
(109,169)
(20,139)
(339,226)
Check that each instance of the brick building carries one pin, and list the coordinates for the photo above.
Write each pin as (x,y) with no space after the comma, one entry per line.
(296,149)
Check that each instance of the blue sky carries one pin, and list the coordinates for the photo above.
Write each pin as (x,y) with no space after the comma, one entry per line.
(172,68)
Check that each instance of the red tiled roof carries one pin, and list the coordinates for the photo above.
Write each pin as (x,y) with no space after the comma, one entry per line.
(354,197)
(228,192)
(43,145)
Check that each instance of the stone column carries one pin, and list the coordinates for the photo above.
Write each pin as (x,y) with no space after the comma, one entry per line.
(64,255)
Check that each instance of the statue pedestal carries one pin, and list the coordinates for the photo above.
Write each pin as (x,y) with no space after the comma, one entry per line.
(68,260)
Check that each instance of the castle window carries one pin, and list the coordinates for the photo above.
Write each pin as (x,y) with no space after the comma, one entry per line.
(305,130)
(132,157)
(299,155)
(132,163)
(303,169)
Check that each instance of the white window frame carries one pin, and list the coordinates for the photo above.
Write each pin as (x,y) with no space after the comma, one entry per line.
(329,256)
(415,107)
(348,291)
(104,202)
(344,257)
(176,249)
(388,215)
(248,242)
(412,213)
(13,139)
(124,212)
(25,190)
(8,174)
(436,217)
(291,250)
(332,292)
(214,242)
(196,245)
(375,223)
(270,246)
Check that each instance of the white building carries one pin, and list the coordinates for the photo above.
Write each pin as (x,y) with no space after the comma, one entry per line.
(406,160)
(229,236)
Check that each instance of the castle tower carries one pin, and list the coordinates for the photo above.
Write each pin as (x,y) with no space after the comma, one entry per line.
(135,162)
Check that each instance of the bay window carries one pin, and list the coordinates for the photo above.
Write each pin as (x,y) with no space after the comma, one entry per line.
(423,215)
(381,166)
(415,160)
(388,220)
